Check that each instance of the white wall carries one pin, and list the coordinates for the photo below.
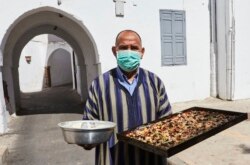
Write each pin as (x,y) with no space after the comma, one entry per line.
(3,112)
(45,50)
(31,75)
(183,83)
(242,50)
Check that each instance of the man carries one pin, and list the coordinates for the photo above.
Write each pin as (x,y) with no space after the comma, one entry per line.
(129,96)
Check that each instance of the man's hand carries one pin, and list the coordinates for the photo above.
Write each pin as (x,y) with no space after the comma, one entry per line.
(87,146)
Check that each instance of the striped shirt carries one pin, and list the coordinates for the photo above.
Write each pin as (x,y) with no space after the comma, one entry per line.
(110,101)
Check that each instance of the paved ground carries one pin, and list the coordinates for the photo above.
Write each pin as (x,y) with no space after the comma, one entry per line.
(61,99)
(35,139)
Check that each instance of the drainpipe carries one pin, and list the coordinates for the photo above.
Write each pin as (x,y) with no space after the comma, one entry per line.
(213,50)
(74,70)
(230,66)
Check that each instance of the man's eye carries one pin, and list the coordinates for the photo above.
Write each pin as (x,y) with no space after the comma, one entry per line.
(134,48)
(123,47)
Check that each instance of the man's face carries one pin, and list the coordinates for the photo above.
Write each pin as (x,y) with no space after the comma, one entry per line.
(128,41)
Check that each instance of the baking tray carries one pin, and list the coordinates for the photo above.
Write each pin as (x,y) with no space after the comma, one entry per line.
(170,151)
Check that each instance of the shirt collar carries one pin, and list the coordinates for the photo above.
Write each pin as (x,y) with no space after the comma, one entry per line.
(122,77)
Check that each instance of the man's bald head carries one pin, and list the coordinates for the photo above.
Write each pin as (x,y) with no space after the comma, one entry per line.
(127,32)
(128,40)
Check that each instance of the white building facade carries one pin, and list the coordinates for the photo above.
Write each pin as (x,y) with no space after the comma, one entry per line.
(198,48)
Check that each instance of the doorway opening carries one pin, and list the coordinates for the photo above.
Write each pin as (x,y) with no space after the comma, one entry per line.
(46,72)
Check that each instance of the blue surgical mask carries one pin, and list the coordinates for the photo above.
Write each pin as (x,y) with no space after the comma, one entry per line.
(128,60)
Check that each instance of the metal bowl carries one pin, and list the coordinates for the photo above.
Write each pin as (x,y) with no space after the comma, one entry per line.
(84,132)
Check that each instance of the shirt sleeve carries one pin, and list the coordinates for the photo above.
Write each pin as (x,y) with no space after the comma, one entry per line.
(164,104)
(91,106)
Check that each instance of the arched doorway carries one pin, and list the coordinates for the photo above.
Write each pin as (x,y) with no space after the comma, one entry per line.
(48,20)
(60,66)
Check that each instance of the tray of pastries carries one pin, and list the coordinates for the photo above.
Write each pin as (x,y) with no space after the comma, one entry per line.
(172,134)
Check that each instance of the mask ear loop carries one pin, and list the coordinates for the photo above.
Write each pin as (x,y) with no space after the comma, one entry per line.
(116,54)
(140,55)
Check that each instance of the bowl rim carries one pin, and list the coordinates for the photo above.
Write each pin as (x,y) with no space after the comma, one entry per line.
(111,125)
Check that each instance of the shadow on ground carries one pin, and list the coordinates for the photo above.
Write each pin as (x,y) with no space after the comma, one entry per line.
(245,148)
(62,99)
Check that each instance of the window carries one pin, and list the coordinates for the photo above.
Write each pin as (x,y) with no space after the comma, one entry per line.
(173,37)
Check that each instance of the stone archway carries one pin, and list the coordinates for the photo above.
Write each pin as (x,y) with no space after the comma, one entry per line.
(48,20)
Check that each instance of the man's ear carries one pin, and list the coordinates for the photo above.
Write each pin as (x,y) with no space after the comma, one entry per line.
(114,50)
(142,52)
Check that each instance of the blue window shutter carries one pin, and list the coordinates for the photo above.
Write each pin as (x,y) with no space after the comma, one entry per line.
(166,37)
(179,37)
(173,37)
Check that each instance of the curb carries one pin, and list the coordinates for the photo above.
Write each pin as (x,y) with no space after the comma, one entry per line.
(3,155)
